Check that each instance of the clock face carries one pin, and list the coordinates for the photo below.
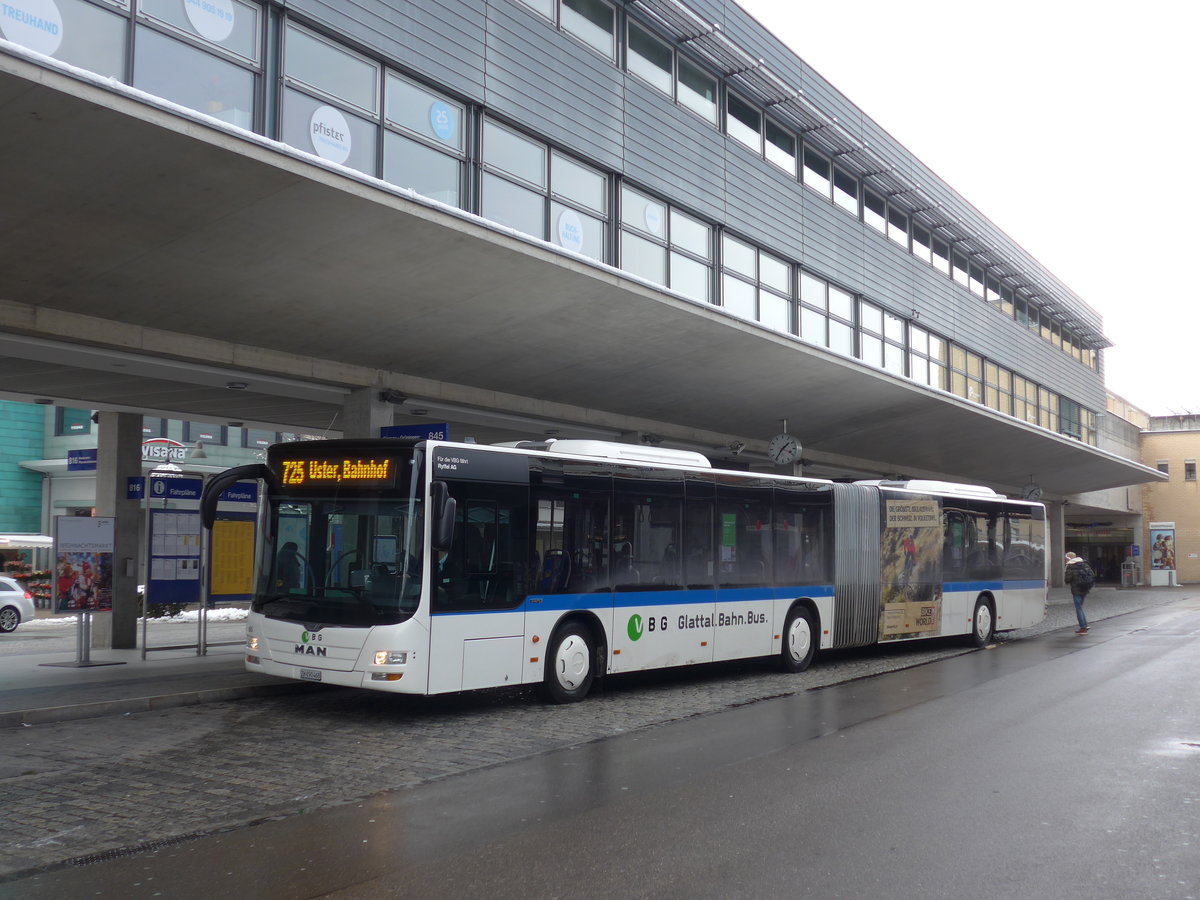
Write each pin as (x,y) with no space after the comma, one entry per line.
(783,449)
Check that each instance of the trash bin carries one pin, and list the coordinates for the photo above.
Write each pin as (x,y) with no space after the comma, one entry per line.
(1131,574)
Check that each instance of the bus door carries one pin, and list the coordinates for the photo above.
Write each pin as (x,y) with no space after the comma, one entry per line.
(745,599)
(477,590)
(569,558)
(660,619)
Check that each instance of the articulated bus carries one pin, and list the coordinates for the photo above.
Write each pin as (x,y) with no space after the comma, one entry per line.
(426,567)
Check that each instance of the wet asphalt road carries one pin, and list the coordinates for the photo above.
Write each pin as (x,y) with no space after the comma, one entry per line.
(959,778)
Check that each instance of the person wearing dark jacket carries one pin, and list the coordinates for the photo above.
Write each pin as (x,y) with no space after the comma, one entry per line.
(1079,578)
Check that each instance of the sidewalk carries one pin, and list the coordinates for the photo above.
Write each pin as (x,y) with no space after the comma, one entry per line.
(40,683)
(36,687)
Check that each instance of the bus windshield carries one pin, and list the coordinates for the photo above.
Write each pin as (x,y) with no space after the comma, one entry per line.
(347,561)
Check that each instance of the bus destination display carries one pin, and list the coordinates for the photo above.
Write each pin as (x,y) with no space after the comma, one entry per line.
(320,472)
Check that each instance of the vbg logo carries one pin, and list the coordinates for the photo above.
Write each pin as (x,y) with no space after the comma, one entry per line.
(635,627)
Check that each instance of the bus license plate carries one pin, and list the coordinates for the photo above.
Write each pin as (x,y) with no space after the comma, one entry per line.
(310,674)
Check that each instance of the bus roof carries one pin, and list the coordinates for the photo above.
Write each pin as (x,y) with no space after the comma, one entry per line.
(936,487)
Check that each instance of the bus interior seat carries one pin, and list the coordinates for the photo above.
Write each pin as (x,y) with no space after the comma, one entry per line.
(556,571)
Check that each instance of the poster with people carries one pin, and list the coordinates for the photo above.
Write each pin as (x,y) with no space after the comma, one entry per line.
(1162,548)
(83,552)
(911,562)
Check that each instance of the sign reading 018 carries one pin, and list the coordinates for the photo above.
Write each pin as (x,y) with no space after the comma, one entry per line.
(366,472)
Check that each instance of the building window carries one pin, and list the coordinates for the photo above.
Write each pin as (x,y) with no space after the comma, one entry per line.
(897,229)
(207,432)
(780,148)
(1025,400)
(210,68)
(697,90)
(826,315)
(72,421)
(1070,422)
(958,267)
(85,36)
(593,22)
(743,122)
(1007,300)
(666,246)
(1164,467)
(926,358)
(845,191)
(571,199)
(966,374)
(650,59)
(874,210)
(1047,408)
(1089,427)
(578,207)
(756,285)
(997,388)
(975,279)
(330,101)
(153,427)
(258,438)
(818,173)
(922,243)
(941,255)
(1189,470)
(424,141)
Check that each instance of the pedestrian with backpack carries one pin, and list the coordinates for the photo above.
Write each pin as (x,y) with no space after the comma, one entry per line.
(1080,578)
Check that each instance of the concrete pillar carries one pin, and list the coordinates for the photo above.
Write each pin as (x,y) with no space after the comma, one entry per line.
(364,413)
(118,459)
(1056,540)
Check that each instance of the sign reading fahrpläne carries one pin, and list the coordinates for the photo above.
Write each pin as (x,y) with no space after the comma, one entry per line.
(364,472)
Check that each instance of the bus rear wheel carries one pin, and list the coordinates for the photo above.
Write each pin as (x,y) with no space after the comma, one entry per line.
(799,640)
(571,664)
(983,623)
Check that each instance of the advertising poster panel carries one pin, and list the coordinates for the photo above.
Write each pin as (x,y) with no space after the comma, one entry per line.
(1162,545)
(83,554)
(911,568)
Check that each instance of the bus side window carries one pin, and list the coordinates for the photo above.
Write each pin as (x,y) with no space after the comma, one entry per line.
(481,570)
(955,535)
(698,536)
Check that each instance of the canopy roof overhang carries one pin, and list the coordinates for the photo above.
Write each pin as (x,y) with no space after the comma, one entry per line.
(154,257)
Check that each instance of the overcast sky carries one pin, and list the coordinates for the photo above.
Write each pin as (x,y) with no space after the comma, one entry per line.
(1069,124)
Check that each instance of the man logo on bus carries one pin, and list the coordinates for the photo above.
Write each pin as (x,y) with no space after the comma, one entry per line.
(635,627)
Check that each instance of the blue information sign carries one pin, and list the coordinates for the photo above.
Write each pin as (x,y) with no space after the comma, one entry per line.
(167,488)
(242,492)
(438,432)
(81,460)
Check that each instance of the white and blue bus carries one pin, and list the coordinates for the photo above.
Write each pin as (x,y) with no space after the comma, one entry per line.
(426,567)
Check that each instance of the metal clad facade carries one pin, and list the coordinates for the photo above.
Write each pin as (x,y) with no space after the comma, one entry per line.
(523,68)
(856,565)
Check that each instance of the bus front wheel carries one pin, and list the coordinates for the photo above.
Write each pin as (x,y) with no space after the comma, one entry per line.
(983,623)
(570,667)
(799,640)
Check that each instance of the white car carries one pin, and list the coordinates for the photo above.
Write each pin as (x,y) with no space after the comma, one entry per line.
(16,604)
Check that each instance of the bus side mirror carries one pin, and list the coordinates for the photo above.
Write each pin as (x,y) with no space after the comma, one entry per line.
(442,513)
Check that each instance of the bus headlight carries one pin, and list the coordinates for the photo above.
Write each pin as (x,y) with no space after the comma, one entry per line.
(391,657)
(251,643)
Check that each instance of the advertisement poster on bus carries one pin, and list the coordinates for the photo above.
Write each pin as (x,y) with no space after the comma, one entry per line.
(911,569)
(83,552)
